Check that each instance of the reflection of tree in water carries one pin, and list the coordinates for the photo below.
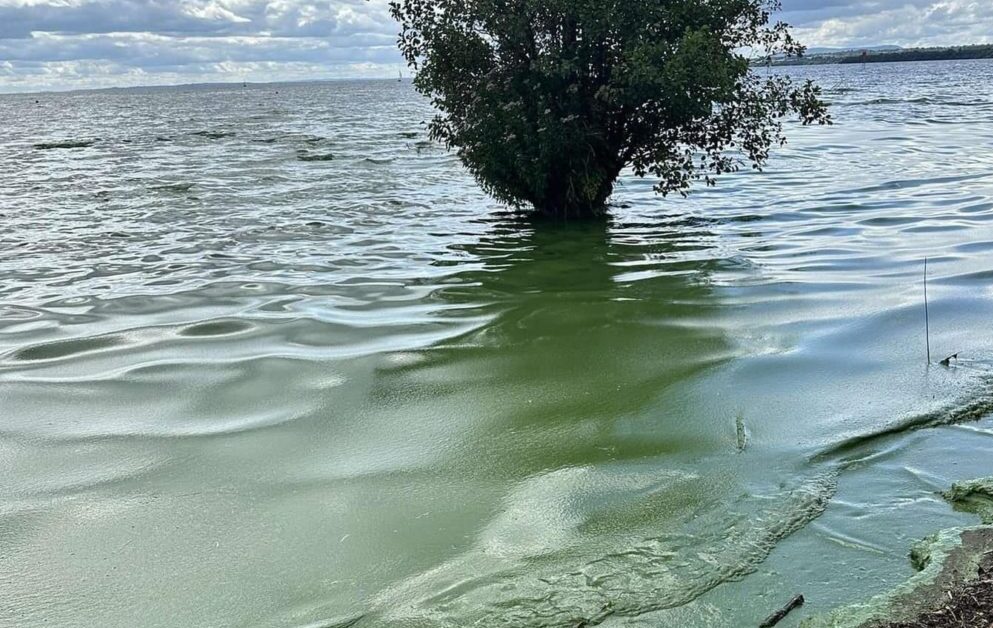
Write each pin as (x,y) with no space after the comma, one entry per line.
(587,323)
(570,404)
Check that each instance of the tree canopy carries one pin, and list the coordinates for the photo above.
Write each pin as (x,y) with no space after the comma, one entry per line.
(546,101)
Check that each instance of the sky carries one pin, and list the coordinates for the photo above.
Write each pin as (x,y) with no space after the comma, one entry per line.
(78,44)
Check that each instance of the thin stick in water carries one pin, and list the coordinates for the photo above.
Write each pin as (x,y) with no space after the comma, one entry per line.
(781,614)
(739,423)
(927,318)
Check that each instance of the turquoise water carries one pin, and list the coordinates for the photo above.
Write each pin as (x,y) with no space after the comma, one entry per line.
(268,357)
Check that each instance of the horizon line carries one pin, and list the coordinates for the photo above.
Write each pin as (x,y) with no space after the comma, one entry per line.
(243,83)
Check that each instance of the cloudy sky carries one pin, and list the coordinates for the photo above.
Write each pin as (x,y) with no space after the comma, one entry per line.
(64,44)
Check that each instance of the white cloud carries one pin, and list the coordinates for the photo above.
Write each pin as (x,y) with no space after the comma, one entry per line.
(60,44)
(212,11)
(844,23)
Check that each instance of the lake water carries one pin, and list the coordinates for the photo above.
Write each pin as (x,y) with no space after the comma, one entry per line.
(270,358)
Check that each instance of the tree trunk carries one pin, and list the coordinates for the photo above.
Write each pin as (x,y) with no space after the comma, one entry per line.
(559,204)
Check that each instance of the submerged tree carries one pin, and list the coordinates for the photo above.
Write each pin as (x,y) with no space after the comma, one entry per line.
(546,101)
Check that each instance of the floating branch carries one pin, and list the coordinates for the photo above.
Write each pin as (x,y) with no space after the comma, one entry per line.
(742,435)
(781,614)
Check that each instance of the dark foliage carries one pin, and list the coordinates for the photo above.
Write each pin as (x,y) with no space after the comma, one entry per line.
(925,54)
(980,51)
(546,101)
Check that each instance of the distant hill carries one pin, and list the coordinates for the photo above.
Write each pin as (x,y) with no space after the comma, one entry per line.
(885,54)
(837,51)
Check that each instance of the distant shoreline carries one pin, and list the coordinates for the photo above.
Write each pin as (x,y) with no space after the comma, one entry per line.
(204,85)
(948,53)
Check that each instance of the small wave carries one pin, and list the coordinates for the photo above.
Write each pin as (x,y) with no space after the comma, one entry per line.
(424,145)
(975,247)
(923,100)
(906,184)
(173,187)
(65,144)
(980,277)
(215,328)
(857,448)
(316,157)
(17,313)
(978,208)
(213,135)
(65,348)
